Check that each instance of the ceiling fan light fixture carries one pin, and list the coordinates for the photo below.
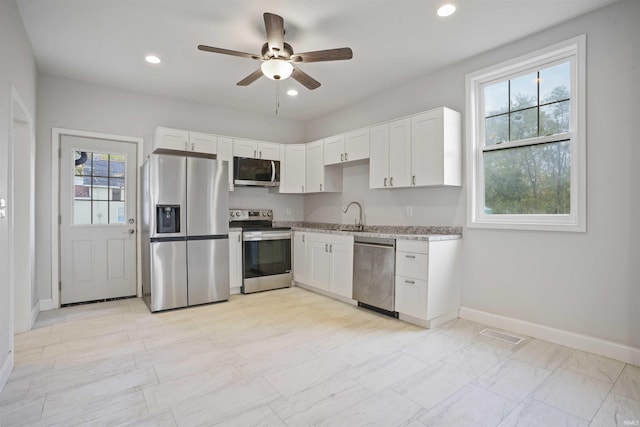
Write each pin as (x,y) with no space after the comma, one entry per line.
(276,69)
(446,10)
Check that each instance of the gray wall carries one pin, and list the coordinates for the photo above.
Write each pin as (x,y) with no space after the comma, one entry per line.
(72,104)
(581,282)
(17,69)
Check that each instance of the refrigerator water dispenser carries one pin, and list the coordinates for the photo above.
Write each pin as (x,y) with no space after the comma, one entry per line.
(168,218)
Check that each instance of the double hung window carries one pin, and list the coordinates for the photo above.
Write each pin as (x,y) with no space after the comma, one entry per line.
(526,142)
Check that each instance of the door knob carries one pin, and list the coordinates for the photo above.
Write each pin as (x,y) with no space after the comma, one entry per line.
(129,231)
(131,221)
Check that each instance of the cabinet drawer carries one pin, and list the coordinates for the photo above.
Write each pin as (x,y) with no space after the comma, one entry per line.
(418,246)
(412,264)
(411,297)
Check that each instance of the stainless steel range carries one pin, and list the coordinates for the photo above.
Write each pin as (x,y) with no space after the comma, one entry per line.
(266,250)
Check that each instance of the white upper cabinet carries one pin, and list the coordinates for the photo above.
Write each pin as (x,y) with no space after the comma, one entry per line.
(356,144)
(347,147)
(319,178)
(390,154)
(436,157)
(292,168)
(400,153)
(245,148)
(170,139)
(379,156)
(334,149)
(203,143)
(256,149)
(423,150)
(225,150)
(183,140)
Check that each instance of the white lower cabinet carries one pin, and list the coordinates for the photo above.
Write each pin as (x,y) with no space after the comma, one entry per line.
(300,256)
(327,265)
(235,261)
(428,281)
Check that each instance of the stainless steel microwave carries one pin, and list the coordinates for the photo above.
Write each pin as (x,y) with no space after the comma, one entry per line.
(256,172)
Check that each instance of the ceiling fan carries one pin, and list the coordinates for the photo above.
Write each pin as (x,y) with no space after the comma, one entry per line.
(278,58)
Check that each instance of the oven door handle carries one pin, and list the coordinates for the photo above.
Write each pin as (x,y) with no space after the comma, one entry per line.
(256,236)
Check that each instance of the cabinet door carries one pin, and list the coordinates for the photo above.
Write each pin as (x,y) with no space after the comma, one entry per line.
(225,148)
(400,153)
(203,143)
(318,262)
(411,297)
(426,149)
(299,256)
(245,148)
(292,168)
(356,144)
(379,156)
(171,139)
(334,150)
(235,259)
(268,151)
(315,167)
(341,281)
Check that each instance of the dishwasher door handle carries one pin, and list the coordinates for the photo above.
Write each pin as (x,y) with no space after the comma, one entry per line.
(373,245)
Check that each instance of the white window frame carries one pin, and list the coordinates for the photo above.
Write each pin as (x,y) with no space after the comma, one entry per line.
(574,50)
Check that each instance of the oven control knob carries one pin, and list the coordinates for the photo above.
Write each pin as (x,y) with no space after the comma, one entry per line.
(264,214)
(237,213)
(268,213)
(231,214)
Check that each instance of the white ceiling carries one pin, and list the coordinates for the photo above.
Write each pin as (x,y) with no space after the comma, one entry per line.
(393,41)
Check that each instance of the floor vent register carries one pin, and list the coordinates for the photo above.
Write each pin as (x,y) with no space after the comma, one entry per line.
(511,339)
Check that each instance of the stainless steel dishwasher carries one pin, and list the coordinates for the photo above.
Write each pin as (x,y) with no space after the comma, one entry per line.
(374,265)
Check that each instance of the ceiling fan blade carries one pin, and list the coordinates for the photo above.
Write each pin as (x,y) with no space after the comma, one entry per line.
(227,52)
(338,54)
(275,32)
(250,78)
(305,79)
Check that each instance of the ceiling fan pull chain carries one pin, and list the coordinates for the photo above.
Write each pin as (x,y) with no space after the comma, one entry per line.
(277,96)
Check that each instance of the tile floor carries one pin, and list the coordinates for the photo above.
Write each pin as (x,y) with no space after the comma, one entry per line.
(294,358)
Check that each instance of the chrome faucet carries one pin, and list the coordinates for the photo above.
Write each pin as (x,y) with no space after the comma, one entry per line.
(359,224)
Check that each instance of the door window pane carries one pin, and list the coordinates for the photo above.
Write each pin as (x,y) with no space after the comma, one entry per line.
(99,188)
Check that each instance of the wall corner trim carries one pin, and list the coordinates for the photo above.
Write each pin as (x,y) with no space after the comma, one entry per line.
(586,343)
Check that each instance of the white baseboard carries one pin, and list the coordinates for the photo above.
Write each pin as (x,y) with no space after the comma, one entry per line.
(5,371)
(587,343)
(35,310)
(46,304)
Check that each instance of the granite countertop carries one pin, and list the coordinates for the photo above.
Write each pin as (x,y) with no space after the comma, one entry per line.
(386,231)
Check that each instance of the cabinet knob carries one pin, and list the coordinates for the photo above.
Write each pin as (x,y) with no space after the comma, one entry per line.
(303,188)
(410,256)
(330,248)
(260,154)
(326,247)
(320,187)
(385,181)
(342,157)
(255,153)
(391,182)
(411,282)
(346,157)
(413,180)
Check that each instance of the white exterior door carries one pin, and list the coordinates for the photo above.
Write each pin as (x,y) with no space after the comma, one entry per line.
(97,219)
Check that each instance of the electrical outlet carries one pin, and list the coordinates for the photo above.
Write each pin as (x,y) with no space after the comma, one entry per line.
(409,210)
(288,211)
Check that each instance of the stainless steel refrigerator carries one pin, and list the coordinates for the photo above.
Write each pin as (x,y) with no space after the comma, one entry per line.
(185,231)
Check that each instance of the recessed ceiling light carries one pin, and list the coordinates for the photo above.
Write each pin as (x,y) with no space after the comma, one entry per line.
(152,59)
(292,92)
(446,10)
